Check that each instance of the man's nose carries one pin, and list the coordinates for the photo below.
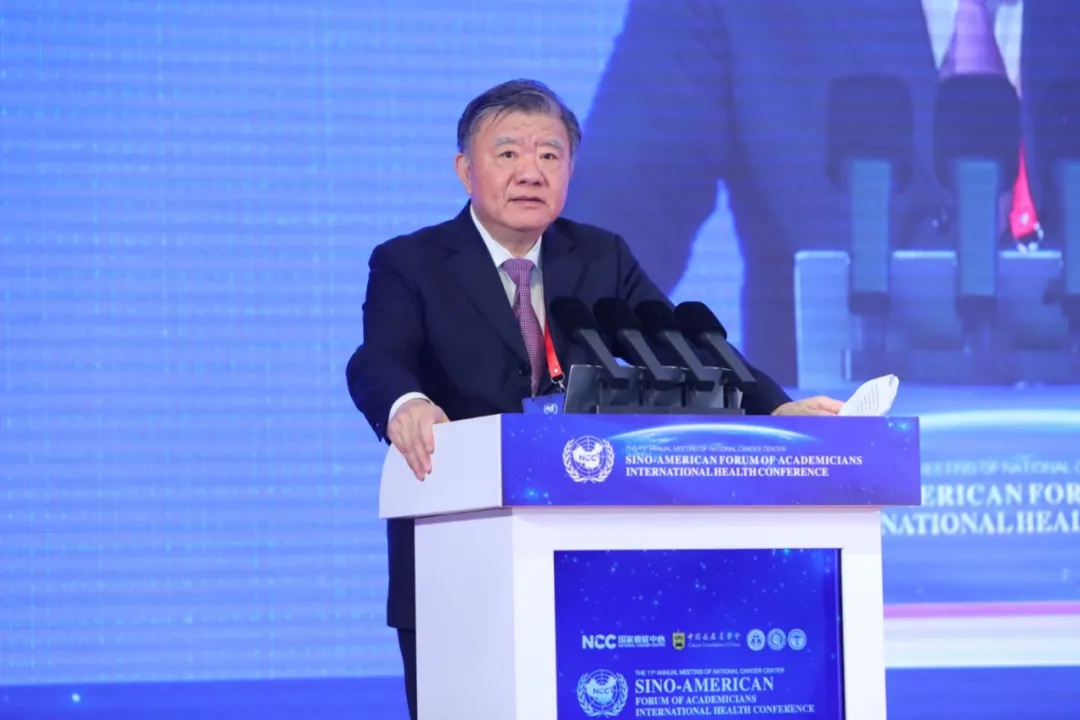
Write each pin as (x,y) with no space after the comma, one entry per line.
(528,171)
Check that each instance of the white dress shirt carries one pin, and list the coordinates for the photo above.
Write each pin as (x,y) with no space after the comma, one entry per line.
(499,255)
(1008,29)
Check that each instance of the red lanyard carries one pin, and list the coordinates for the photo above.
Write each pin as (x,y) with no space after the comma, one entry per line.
(554,368)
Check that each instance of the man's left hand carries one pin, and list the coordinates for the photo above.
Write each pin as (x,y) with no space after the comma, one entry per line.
(819,405)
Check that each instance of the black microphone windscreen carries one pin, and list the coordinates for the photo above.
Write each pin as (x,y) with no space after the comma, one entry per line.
(696,318)
(656,316)
(977,117)
(614,315)
(871,117)
(571,315)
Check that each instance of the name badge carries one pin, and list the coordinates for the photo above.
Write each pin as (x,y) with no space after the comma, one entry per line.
(544,404)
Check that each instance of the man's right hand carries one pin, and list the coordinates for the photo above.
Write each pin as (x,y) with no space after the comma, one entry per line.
(410,431)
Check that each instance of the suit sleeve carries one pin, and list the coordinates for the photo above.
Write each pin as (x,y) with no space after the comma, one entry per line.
(635,287)
(658,136)
(387,365)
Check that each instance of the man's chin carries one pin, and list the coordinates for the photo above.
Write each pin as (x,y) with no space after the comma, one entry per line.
(530,221)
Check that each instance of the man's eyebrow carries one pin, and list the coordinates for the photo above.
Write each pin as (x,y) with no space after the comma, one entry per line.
(507,140)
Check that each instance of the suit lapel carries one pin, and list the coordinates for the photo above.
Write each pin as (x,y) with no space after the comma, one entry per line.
(470,264)
(563,270)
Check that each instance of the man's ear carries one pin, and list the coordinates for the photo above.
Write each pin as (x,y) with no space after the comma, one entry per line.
(461,167)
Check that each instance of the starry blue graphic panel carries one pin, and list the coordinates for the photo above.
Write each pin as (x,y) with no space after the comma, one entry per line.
(666,633)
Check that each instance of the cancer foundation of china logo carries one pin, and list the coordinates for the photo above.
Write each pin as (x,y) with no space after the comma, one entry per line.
(588,459)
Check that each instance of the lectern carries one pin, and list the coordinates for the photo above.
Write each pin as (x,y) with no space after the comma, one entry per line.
(627,566)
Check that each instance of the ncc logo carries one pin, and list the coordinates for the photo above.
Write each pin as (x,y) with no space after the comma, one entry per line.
(599,642)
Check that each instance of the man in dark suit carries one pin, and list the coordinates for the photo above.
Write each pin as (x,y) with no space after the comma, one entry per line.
(454,316)
(698,91)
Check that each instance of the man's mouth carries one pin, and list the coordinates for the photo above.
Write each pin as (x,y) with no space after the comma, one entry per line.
(528,199)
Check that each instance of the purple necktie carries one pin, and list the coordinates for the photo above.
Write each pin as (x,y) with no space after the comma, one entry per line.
(520,271)
(973,49)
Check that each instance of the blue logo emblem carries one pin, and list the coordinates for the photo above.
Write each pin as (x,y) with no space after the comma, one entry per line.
(602,693)
(588,459)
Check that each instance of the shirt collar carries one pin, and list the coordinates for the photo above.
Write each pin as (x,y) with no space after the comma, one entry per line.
(499,254)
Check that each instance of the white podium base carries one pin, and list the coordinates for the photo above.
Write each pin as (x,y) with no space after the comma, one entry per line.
(485,586)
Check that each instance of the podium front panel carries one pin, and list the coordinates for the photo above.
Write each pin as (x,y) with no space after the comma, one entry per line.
(498,616)
(656,461)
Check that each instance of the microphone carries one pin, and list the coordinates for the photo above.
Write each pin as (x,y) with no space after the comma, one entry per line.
(573,318)
(870,117)
(659,322)
(871,152)
(977,117)
(620,323)
(977,130)
(698,323)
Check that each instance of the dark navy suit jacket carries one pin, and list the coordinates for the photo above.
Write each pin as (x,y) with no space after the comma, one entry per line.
(437,321)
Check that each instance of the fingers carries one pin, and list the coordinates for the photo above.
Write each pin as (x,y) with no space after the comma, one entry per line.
(431,417)
(416,455)
(406,437)
(426,435)
(827,405)
(820,406)
(412,433)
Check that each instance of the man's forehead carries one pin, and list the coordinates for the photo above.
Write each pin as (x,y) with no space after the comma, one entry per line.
(516,126)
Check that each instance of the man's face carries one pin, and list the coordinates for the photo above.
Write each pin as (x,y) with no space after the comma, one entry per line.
(517,171)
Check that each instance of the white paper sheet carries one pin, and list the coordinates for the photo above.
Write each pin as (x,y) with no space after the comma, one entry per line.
(874,398)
